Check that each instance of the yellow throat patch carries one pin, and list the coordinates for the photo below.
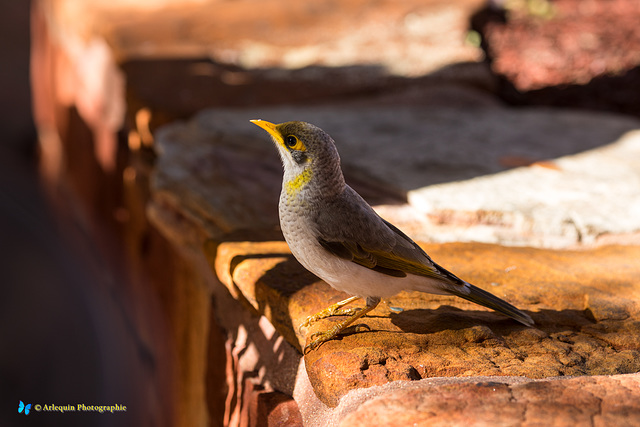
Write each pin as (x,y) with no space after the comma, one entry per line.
(294,186)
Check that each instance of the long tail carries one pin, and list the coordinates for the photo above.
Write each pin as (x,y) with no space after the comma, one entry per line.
(491,301)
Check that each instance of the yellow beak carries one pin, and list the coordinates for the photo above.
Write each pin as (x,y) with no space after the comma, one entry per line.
(269,127)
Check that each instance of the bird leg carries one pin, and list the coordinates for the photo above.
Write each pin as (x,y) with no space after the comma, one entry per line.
(332,310)
(355,313)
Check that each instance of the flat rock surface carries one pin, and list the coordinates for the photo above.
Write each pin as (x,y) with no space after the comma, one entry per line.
(575,200)
(221,160)
(584,304)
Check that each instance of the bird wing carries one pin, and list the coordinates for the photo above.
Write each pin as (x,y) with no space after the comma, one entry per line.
(368,240)
(396,261)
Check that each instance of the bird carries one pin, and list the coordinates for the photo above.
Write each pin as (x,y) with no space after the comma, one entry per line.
(336,235)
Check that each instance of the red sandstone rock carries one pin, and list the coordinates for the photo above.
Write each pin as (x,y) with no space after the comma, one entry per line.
(415,335)
(584,401)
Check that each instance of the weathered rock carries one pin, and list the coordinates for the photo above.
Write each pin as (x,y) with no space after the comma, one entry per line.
(584,401)
(415,335)
(574,200)
(276,409)
(549,204)
(582,301)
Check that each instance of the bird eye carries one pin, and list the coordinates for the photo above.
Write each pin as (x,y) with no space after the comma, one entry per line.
(291,141)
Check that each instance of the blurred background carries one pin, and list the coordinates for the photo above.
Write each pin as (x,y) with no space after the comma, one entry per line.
(65,324)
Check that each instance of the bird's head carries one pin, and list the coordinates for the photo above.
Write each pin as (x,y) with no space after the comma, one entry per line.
(307,153)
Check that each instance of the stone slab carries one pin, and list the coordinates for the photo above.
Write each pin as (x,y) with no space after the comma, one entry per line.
(495,401)
(216,183)
(581,183)
(584,304)
(576,199)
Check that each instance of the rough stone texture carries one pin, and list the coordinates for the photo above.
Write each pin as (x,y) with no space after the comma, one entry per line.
(584,304)
(584,401)
(548,204)
(277,409)
(584,326)
(259,367)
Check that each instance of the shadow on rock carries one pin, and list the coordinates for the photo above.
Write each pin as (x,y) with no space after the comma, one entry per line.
(426,321)
(288,277)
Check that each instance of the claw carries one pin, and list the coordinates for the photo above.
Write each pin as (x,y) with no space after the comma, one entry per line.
(321,337)
(332,310)
(307,322)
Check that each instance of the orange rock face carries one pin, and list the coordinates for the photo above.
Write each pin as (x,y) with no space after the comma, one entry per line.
(583,303)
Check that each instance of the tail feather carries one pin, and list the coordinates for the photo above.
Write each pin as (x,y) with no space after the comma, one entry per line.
(491,301)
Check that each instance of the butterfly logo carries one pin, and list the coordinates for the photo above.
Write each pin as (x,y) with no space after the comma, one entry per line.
(22,407)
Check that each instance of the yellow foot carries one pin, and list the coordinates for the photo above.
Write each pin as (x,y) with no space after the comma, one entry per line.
(354,314)
(332,310)
(320,337)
